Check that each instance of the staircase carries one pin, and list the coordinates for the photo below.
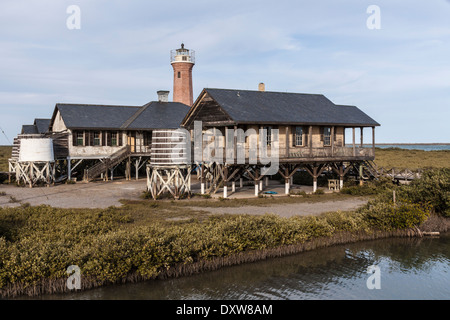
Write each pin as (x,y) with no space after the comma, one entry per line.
(108,163)
(371,169)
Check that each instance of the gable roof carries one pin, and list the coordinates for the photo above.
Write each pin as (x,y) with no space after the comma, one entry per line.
(160,115)
(246,106)
(29,129)
(39,126)
(153,115)
(42,125)
(89,116)
(353,114)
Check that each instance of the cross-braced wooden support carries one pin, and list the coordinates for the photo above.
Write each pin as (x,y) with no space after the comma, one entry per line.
(175,180)
(31,173)
(315,170)
(287,171)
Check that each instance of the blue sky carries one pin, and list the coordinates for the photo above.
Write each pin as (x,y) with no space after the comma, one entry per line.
(399,74)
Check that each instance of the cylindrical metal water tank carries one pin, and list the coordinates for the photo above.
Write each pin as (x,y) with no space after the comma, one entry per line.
(170,147)
(36,150)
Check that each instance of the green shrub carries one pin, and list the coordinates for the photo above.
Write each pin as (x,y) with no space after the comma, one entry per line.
(432,188)
(319,192)
(371,187)
(388,216)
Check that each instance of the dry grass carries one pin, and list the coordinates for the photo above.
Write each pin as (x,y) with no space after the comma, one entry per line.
(5,154)
(411,159)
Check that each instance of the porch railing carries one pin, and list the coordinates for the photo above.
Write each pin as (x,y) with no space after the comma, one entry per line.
(341,153)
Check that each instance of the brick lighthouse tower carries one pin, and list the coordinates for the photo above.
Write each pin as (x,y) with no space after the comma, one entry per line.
(182,61)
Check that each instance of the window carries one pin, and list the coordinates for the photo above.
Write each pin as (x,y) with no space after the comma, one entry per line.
(268,132)
(77,138)
(113,139)
(97,138)
(298,136)
(327,136)
(179,74)
(80,138)
(147,138)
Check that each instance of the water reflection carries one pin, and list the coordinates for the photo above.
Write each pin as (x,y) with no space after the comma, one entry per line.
(410,269)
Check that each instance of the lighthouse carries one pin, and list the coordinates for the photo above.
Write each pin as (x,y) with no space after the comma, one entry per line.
(182,61)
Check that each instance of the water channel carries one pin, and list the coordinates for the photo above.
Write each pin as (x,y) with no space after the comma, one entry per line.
(417,268)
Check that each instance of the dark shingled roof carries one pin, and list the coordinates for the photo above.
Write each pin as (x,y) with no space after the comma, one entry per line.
(42,125)
(153,115)
(245,106)
(88,116)
(29,129)
(160,115)
(39,126)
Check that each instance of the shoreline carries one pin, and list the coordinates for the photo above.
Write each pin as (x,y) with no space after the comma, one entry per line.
(58,286)
(413,144)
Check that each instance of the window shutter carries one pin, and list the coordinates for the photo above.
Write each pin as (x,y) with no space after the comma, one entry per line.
(103,134)
(108,139)
(91,138)
(74,138)
(120,138)
(86,138)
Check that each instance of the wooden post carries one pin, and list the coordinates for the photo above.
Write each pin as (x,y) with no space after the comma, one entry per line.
(362,136)
(332,141)
(287,141)
(360,174)
(225,182)
(69,169)
(373,140)
(137,168)
(31,174)
(286,181)
(310,140)
(235,144)
(202,179)
(353,141)
(315,178)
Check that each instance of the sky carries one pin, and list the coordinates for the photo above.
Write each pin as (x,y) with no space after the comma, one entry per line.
(393,63)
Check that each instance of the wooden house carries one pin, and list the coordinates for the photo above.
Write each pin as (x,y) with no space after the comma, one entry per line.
(109,134)
(310,131)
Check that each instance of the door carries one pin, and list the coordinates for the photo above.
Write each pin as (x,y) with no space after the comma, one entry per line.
(132,141)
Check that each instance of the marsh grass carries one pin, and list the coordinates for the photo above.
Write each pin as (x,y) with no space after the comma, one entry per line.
(5,154)
(260,201)
(411,159)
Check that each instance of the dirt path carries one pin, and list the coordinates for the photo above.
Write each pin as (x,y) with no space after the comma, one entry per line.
(291,209)
(80,195)
(106,194)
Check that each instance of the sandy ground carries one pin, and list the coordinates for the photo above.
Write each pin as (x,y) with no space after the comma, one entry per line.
(106,194)
(79,195)
(291,209)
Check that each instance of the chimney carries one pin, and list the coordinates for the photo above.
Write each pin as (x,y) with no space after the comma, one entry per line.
(163,96)
(261,86)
